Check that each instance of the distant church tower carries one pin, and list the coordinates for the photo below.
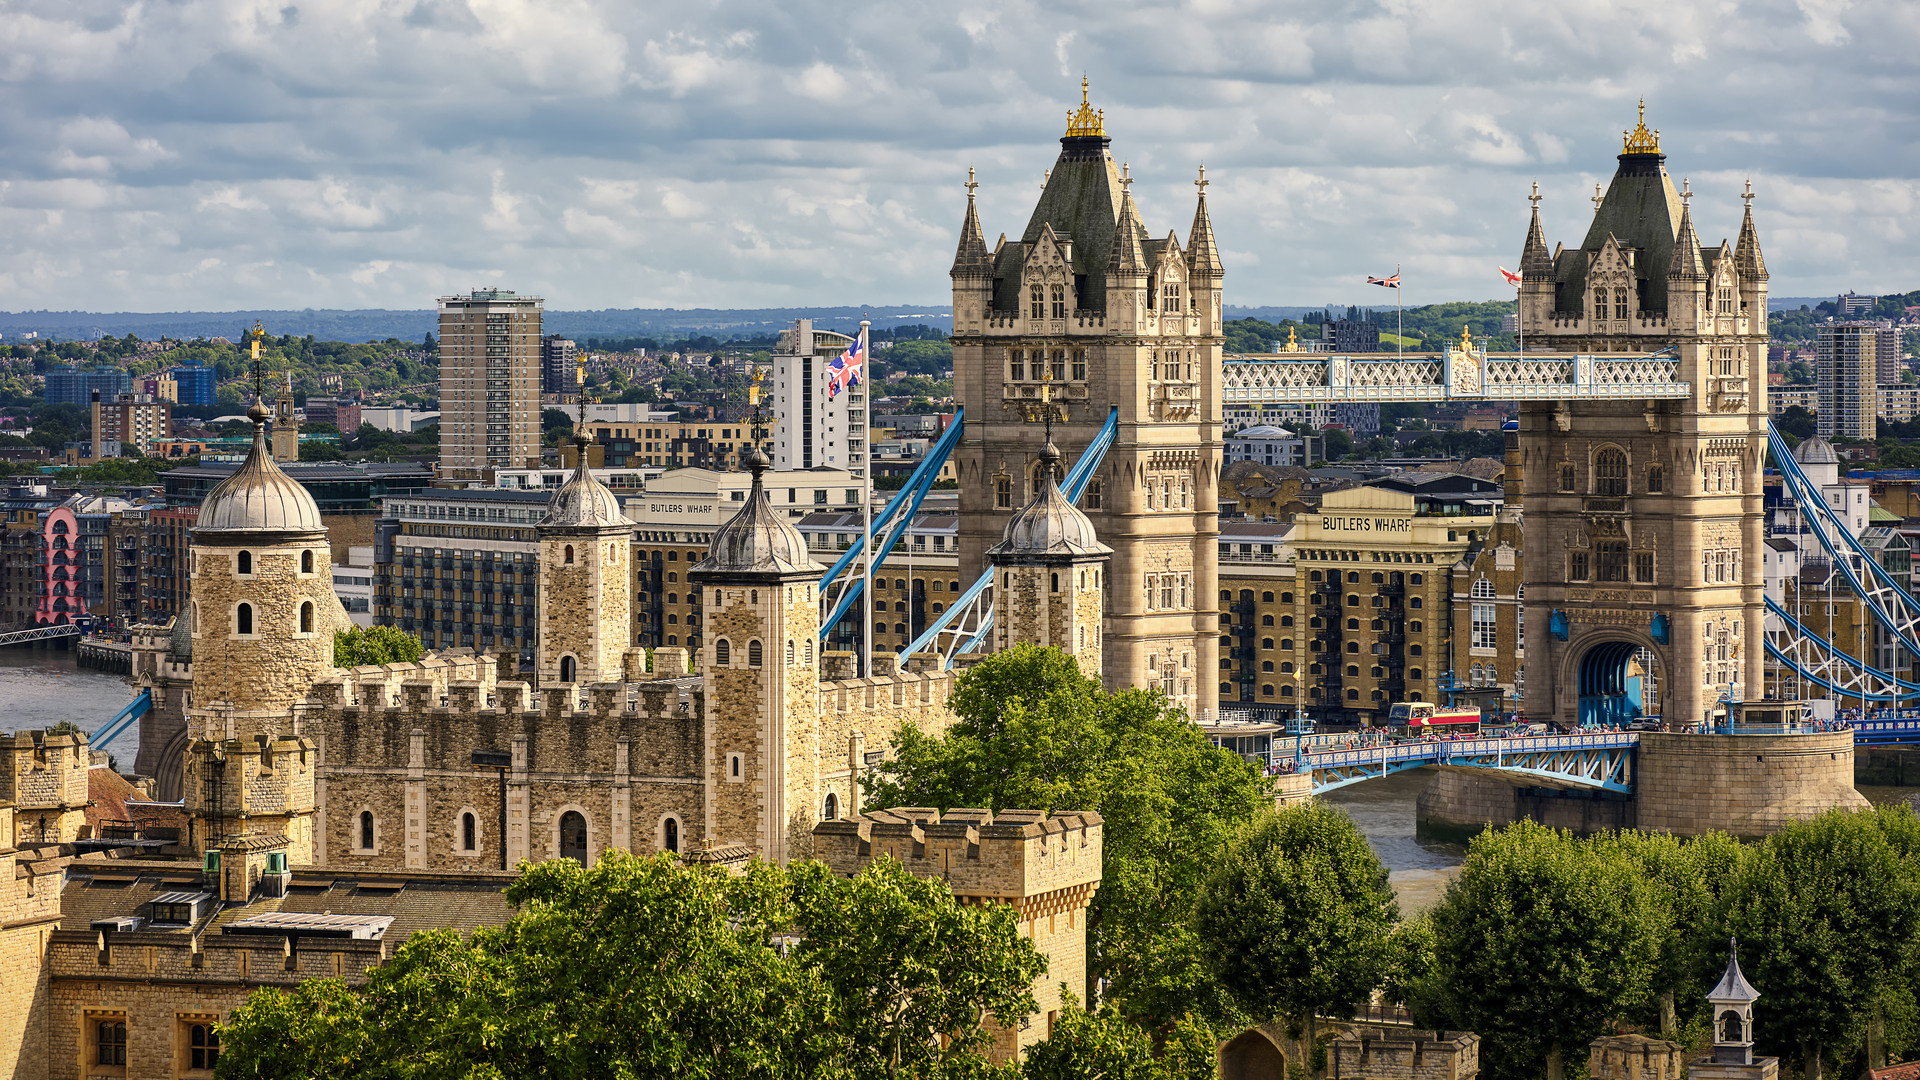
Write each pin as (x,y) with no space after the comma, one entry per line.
(286,427)
(1646,514)
(760,597)
(1050,574)
(586,555)
(1120,320)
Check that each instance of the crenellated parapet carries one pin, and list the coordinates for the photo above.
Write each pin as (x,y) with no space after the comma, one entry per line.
(44,776)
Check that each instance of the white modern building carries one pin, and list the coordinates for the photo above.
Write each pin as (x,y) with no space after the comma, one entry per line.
(814,430)
(1265,444)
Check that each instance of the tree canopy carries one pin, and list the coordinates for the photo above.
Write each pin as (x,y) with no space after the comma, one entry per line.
(1033,732)
(647,968)
(365,646)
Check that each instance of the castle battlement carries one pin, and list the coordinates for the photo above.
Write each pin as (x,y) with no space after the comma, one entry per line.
(1411,1055)
(235,961)
(1016,855)
(41,771)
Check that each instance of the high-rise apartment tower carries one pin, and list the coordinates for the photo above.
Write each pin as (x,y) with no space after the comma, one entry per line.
(1847,370)
(489,382)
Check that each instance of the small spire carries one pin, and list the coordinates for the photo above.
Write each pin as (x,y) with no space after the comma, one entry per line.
(1203,253)
(1687,264)
(1746,252)
(1535,262)
(971,258)
(1126,256)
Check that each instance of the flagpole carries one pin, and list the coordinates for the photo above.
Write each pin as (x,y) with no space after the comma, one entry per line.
(866,500)
(1399,331)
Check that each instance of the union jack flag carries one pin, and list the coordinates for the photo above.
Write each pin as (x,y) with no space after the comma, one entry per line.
(847,370)
(1385,282)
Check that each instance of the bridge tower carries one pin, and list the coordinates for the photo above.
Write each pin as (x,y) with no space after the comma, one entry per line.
(1644,517)
(1118,320)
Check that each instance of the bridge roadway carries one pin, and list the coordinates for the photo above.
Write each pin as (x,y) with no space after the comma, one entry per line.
(1458,375)
(1601,760)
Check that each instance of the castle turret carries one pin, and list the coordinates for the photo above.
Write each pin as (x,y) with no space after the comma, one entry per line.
(1051,568)
(761,600)
(263,609)
(586,555)
(1731,1001)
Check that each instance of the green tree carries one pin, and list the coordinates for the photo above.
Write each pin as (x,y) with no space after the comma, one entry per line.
(1540,944)
(1032,732)
(1298,917)
(1690,877)
(1339,443)
(1827,913)
(773,973)
(364,646)
(1104,1044)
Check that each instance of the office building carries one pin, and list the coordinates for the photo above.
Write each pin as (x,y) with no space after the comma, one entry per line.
(707,444)
(1847,369)
(196,385)
(815,428)
(129,424)
(160,388)
(1350,336)
(559,367)
(342,413)
(1265,444)
(489,383)
(76,386)
(459,567)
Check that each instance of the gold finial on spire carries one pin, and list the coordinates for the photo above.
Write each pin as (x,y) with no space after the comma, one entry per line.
(1466,338)
(1640,140)
(1292,344)
(1087,121)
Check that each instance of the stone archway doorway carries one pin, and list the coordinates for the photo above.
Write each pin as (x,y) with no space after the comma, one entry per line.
(1251,1055)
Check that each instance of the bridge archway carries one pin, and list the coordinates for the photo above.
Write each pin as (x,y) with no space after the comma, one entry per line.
(1617,677)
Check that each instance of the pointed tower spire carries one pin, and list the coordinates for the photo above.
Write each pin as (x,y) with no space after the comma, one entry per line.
(1126,257)
(1746,253)
(1203,255)
(1687,265)
(1535,262)
(971,260)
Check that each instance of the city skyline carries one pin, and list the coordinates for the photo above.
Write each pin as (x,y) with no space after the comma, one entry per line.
(796,154)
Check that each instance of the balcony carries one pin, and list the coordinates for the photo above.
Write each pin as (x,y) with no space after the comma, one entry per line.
(1241,607)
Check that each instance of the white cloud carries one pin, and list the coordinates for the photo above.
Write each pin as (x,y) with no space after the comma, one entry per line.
(244,153)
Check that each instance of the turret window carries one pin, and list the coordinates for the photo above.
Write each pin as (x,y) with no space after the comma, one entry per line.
(306,616)
(567,669)
(243,620)
(566,555)
(243,563)
(306,562)
(753,653)
(723,652)
(1656,479)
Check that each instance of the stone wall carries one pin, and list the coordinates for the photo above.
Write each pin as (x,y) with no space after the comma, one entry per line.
(1410,1055)
(45,778)
(29,912)
(1046,868)
(583,606)
(1463,800)
(1747,785)
(1634,1057)
(159,983)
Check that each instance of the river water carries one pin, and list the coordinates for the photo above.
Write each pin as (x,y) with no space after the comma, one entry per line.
(1384,811)
(40,688)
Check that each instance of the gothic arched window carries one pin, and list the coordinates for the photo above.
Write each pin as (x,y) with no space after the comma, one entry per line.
(1038,296)
(1656,479)
(1610,472)
(1059,301)
(1619,303)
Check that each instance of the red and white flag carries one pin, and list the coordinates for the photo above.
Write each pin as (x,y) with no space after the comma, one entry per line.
(1512,278)
(1385,282)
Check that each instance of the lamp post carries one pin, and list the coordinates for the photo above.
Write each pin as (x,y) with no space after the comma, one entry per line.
(501,762)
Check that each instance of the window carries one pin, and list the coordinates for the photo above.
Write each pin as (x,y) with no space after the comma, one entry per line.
(1265,642)
(1266,620)
(1003,492)
(243,619)
(567,669)
(1656,479)
(1037,299)
(573,837)
(110,1042)
(1093,495)
(1619,303)
(366,830)
(1016,365)
(306,616)
(1566,478)
(753,653)
(1416,579)
(1610,472)
(566,555)
(306,562)
(1577,566)
(469,832)
(831,811)
(1484,633)
(1266,665)
(1079,365)
(1483,589)
(243,563)
(722,652)
(790,653)
(1643,566)
(670,834)
(1612,559)
(1059,301)
(1599,303)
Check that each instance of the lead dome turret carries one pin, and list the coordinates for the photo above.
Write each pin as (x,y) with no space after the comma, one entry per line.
(259,498)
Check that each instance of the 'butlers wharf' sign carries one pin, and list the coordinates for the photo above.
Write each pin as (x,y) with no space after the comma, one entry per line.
(1366,524)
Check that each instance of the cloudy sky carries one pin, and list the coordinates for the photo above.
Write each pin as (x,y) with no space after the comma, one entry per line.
(222,154)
